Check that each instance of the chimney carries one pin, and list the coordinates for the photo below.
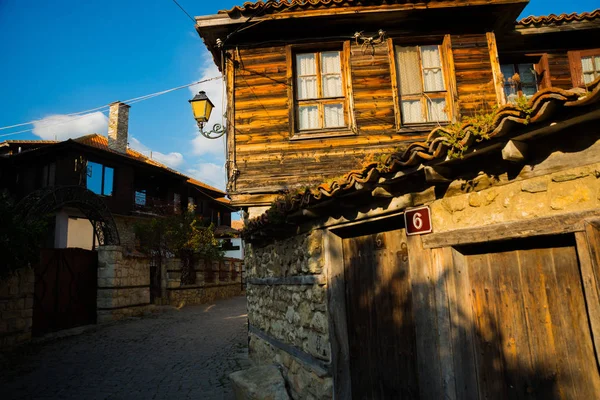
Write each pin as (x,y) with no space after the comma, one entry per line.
(118,121)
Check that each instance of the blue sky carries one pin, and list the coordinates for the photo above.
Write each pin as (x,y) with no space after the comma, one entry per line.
(65,56)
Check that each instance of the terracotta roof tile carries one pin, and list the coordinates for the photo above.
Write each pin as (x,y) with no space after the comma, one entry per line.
(251,8)
(559,19)
(543,105)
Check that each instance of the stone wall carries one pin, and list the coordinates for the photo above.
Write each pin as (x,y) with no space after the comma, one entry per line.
(223,281)
(286,294)
(123,284)
(16,307)
(489,200)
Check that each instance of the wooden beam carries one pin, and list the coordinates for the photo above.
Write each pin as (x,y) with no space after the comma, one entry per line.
(514,151)
(588,251)
(436,174)
(319,367)
(554,225)
(289,280)
(496,72)
(336,307)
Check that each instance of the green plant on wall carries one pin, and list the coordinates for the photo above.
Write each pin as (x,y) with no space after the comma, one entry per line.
(184,235)
(20,241)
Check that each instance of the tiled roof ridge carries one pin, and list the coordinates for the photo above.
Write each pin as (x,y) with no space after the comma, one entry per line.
(435,147)
(559,19)
(251,8)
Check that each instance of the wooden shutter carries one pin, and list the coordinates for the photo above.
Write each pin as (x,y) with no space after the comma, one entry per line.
(575,67)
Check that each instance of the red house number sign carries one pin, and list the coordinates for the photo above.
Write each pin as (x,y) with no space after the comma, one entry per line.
(418,221)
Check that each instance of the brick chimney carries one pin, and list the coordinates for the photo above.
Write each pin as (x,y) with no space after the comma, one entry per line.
(118,122)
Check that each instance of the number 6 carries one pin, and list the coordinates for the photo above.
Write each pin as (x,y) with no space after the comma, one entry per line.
(417,221)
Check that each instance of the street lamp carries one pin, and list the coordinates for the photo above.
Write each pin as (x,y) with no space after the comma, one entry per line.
(202,107)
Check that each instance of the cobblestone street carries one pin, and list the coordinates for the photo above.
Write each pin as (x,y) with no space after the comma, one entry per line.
(175,354)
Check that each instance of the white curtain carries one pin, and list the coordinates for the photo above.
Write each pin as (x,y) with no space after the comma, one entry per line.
(331,74)
(306,68)
(308,117)
(588,64)
(334,115)
(408,70)
(411,111)
(432,69)
(437,110)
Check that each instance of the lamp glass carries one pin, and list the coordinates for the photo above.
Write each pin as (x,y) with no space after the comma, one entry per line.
(201,110)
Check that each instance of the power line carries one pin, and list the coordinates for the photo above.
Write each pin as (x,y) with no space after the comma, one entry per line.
(186,13)
(104,108)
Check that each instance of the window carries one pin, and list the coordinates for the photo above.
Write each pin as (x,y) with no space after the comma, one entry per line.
(590,66)
(421,84)
(140,197)
(100,179)
(48,174)
(519,80)
(319,92)
(191,204)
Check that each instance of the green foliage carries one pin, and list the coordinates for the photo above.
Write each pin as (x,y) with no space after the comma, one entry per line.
(180,234)
(20,241)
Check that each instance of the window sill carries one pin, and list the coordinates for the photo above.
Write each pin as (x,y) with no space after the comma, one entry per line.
(321,134)
(421,128)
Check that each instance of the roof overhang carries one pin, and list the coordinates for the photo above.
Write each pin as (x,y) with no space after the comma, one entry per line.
(346,18)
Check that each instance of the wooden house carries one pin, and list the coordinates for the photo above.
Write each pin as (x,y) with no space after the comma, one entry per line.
(378,117)
(132,185)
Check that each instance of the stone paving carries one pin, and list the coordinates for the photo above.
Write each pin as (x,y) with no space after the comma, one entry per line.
(175,354)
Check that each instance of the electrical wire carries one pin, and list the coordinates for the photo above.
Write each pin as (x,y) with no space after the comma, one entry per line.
(104,108)
(186,13)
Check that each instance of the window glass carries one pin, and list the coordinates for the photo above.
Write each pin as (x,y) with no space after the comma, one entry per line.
(308,117)
(421,84)
(107,190)
(331,74)
(318,82)
(140,197)
(307,76)
(590,66)
(519,80)
(334,115)
(94,177)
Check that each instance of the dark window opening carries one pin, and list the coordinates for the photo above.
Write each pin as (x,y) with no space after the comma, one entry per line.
(100,179)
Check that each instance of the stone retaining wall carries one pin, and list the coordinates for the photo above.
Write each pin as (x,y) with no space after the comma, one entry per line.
(123,284)
(16,307)
(224,280)
(287,305)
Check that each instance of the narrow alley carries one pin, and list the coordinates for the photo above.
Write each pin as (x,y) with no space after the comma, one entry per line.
(175,354)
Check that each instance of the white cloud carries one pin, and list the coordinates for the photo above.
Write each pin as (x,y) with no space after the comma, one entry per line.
(63,127)
(172,159)
(202,146)
(215,92)
(209,173)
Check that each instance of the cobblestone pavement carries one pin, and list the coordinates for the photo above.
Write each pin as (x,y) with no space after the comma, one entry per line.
(175,354)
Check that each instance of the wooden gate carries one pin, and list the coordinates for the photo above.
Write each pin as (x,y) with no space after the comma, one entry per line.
(381,334)
(65,290)
(514,324)
(529,327)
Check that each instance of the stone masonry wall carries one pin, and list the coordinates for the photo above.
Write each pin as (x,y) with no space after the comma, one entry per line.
(490,200)
(16,307)
(226,282)
(123,284)
(292,314)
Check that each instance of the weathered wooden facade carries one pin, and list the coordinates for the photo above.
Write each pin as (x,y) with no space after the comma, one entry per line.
(269,153)
(502,299)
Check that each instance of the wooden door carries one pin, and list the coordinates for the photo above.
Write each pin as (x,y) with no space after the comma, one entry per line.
(530,330)
(65,289)
(381,332)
